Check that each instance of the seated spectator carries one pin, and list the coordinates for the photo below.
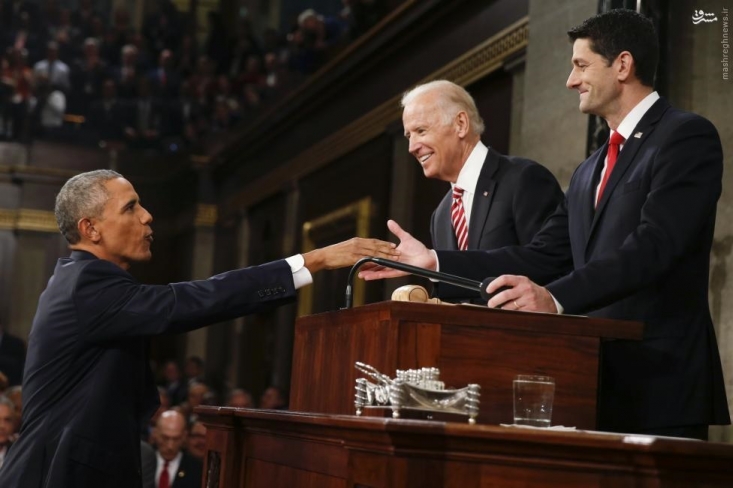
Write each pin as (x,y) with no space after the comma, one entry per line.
(197,440)
(66,35)
(48,107)
(164,79)
(15,395)
(194,370)
(174,467)
(7,426)
(273,399)
(87,76)
(126,76)
(198,394)
(18,78)
(53,69)
(240,398)
(173,384)
(109,118)
(148,116)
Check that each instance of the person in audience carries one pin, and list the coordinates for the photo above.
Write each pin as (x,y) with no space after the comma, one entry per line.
(240,398)
(164,79)
(175,467)
(197,440)
(7,427)
(631,240)
(273,399)
(174,385)
(53,69)
(15,395)
(12,356)
(194,370)
(110,118)
(87,76)
(494,200)
(88,386)
(126,76)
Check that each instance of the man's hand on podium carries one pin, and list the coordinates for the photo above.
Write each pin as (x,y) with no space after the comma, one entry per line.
(522,294)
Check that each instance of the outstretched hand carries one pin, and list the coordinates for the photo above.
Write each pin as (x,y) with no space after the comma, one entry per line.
(347,253)
(411,251)
(522,294)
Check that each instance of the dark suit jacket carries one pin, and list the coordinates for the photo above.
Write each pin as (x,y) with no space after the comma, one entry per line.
(12,357)
(513,198)
(643,254)
(189,474)
(88,387)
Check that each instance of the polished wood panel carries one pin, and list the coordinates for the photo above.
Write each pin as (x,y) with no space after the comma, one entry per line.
(468,344)
(307,450)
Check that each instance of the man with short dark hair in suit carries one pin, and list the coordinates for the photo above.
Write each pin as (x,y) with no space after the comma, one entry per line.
(631,240)
(88,386)
(504,200)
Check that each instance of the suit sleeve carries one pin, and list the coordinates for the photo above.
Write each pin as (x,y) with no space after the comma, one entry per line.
(686,185)
(112,305)
(538,195)
(544,259)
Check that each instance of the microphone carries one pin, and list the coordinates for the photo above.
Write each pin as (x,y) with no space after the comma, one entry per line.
(479,286)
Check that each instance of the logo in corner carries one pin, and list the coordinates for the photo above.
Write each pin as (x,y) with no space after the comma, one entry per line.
(701,16)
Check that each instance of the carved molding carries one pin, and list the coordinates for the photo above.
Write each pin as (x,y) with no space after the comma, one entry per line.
(28,219)
(357,213)
(472,66)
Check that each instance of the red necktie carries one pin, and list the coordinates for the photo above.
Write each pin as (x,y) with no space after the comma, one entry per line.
(164,480)
(613,148)
(458,217)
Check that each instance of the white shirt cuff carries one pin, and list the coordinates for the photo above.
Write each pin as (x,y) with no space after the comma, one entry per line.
(301,275)
(437,264)
(560,310)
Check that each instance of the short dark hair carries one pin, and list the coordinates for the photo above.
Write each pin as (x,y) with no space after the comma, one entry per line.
(618,30)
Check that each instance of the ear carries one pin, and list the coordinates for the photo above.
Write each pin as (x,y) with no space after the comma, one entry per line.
(87,231)
(462,124)
(625,66)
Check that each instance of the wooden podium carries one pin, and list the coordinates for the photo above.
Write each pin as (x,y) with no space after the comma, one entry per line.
(468,344)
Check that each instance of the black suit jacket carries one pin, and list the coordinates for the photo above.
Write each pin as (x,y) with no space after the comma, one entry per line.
(642,254)
(513,198)
(88,387)
(12,357)
(189,474)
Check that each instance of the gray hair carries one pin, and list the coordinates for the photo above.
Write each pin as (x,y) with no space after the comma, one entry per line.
(83,196)
(452,99)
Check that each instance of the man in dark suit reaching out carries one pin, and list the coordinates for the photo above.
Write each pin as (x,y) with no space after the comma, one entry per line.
(631,240)
(494,200)
(87,386)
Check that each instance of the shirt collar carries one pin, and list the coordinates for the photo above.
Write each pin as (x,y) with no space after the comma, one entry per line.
(468,177)
(627,126)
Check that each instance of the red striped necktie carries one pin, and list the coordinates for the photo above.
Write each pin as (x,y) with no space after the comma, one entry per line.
(458,217)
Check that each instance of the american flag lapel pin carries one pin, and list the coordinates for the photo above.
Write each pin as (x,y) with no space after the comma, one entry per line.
(638,135)
(486,194)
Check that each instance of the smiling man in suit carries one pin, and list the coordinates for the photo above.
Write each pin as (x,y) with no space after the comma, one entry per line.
(631,240)
(494,200)
(88,386)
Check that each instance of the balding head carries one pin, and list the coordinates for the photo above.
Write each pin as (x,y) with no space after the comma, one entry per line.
(170,434)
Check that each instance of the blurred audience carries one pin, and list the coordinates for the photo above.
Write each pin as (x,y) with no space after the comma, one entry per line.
(7,426)
(197,441)
(273,399)
(240,398)
(75,56)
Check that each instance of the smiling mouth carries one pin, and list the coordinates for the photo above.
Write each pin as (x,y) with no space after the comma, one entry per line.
(424,158)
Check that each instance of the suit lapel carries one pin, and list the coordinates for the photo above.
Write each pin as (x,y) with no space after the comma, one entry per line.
(446,237)
(626,157)
(482,199)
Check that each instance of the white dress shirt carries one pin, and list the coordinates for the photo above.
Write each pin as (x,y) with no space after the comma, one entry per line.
(172,467)
(468,177)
